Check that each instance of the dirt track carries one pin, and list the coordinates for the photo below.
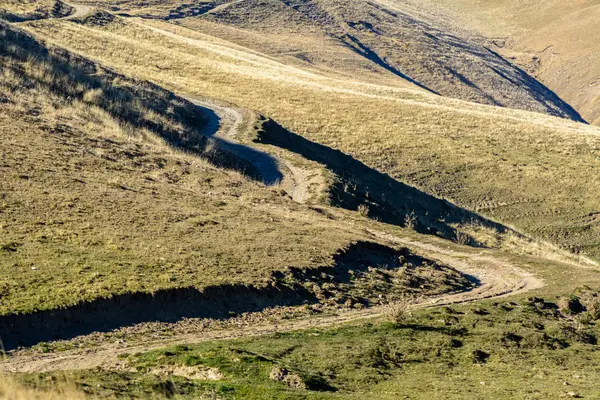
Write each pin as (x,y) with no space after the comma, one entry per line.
(496,277)
(79,10)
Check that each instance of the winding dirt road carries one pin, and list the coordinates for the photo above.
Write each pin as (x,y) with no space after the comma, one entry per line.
(79,10)
(496,277)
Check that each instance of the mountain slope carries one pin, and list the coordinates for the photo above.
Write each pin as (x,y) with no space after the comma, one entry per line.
(109,187)
(403,43)
(527,170)
(556,41)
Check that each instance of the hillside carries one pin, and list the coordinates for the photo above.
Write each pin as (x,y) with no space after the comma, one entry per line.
(555,41)
(24,10)
(115,193)
(403,44)
(284,199)
(487,159)
(89,197)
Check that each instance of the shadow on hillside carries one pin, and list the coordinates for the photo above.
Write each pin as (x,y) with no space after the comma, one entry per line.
(59,10)
(372,56)
(132,103)
(539,91)
(293,287)
(387,199)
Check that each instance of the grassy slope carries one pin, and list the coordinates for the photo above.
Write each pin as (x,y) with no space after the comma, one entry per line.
(533,349)
(534,172)
(402,44)
(93,206)
(556,40)
(18,10)
(11,390)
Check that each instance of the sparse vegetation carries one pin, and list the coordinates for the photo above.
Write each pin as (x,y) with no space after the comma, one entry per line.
(516,348)
(397,312)
(363,210)
(524,169)
(26,10)
(136,213)
(95,201)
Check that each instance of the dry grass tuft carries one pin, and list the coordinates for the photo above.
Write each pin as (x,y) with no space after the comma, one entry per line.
(11,390)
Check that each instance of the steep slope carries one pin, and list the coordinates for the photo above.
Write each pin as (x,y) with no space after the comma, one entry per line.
(109,187)
(556,41)
(399,41)
(527,170)
(118,210)
(25,10)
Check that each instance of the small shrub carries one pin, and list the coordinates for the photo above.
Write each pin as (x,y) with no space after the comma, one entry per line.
(10,247)
(462,238)
(410,220)
(480,356)
(381,355)
(363,210)
(510,339)
(397,312)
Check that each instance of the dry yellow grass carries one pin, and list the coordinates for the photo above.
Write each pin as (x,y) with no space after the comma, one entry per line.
(528,170)
(556,40)
(10,390)
(93,206)
(20,10)
(381,41)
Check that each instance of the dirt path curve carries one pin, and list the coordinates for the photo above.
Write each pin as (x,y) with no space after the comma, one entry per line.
(79,10)
(224,125)
(497,278)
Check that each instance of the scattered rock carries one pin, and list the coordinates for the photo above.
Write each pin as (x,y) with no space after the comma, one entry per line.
(197,373)
(294,381)
(278,373)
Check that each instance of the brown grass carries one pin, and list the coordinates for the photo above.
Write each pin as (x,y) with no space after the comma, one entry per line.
(527,170)
(23,10)
(10,390)
(92,205)
(554,40)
